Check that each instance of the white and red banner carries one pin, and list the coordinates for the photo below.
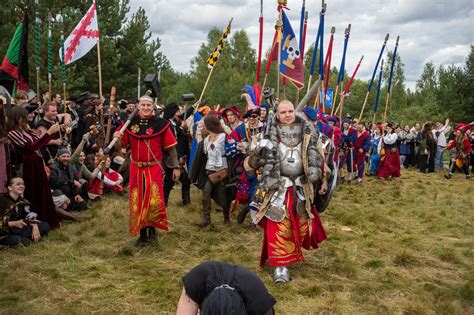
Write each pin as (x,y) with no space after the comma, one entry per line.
(83,38)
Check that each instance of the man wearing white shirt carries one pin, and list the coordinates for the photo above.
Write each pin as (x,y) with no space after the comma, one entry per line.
(440,134)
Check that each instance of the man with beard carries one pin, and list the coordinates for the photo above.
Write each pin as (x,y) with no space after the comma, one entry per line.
(65,177)
(50,117)
(292,167)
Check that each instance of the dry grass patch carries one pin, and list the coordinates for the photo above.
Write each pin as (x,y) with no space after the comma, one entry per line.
(403,246)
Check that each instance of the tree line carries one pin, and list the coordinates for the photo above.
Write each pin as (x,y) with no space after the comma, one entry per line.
(127,44)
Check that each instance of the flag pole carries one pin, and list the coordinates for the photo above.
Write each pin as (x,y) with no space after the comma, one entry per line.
(342,69)
(321,53)
(346,90)
(269,63)
(260,42)
(389,90)
(279,25)
(63,66)
(316,43)
(379,85)
(328,67)
(205,85)
(99,65)
(50,53)
(373,76)
(37,45)
(139,82)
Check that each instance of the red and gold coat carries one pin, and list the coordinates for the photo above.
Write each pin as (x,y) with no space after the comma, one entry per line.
(147,138)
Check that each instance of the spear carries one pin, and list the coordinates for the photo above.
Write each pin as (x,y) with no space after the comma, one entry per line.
(302,25)
(327,66)
(50,52)
(379,85)
(260,42)
(63,66)
(389,90)
(373,76)
(346,90)
(316,43)
(305,27)
(269,63)
(37,45)
(342,69)
(321,55)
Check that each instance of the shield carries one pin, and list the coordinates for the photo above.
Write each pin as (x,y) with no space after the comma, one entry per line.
(322,201)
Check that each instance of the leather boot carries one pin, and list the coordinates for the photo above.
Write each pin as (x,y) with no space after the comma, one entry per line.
(206,213)
(227,215)
(242,215)
(186,197)
(142,240)
(151,234)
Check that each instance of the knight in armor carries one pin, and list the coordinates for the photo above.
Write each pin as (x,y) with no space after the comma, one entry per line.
(291,179)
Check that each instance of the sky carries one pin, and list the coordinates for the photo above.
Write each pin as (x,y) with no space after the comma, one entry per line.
(440,31)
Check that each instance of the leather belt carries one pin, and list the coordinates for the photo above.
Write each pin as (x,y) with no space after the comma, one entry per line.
(143,164)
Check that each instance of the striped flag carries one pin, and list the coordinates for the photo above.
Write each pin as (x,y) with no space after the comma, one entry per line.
(212,60)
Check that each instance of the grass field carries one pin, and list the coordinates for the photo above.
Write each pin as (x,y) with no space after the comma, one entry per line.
(394,247)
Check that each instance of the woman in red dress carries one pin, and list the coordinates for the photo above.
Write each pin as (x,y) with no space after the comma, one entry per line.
(389,166)
(28,145)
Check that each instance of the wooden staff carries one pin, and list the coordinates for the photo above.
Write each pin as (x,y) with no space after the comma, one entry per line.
(109,121)
(205,85)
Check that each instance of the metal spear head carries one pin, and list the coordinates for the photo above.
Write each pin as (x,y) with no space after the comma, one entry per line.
(398,38)
(333,30)
(386,37)
(306,15)
(348,30)
(381,65)
(361,58)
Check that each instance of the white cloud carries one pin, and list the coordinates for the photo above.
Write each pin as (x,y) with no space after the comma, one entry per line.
(436,30)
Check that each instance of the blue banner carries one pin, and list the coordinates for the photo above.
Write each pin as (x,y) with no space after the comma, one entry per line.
(329,97)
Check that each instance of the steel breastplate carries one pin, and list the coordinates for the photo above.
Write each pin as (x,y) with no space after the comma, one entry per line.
(290,135)
(291,163)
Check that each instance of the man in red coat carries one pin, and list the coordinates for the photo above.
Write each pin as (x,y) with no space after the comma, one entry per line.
(147,135)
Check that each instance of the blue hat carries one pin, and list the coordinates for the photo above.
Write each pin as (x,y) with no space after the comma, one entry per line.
(347,120)
(334,119)
(265,105)
(311,113)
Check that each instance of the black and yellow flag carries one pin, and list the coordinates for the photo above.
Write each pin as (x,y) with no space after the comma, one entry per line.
(212,60)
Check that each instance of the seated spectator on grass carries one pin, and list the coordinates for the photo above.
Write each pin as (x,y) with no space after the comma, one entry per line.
(214,287)
(65,178)
(107,180)
(20,225)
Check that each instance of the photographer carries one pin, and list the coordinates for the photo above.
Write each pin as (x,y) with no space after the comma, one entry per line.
(19,222)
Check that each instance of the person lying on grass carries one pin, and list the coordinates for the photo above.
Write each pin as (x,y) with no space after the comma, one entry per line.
(20,225)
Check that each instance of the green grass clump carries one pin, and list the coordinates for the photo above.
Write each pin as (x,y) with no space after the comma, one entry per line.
(394,247)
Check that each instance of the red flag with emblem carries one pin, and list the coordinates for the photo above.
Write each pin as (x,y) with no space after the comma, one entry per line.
(83,38)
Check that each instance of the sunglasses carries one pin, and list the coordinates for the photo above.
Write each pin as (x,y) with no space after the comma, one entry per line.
(253,116)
